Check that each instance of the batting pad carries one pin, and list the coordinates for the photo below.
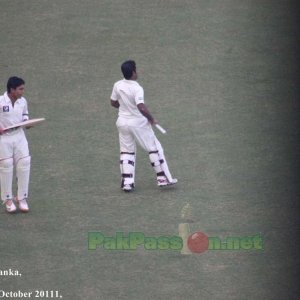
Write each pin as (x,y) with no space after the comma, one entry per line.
(127,166)
(164,166)
(6,178)
(23,174)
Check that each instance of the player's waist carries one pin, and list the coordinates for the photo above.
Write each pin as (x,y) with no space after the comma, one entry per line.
(135,122)
(130,115)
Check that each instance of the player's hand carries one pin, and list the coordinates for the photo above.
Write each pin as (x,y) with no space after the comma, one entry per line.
(154,122)
(1,131)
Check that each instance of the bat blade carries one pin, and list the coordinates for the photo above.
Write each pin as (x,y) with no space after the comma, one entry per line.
(30,122)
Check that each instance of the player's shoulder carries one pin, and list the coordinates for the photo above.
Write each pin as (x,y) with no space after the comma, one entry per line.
(139,89)
(3,96)
(119,82)
(23,100)
(128,84)
(136,85)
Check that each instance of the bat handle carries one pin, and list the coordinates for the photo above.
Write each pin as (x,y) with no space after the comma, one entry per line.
(162,130)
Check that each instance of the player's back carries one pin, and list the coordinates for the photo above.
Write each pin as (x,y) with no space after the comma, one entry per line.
(129,94)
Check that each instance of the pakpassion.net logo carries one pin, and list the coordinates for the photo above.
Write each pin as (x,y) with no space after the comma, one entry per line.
(197,242)
(132,241)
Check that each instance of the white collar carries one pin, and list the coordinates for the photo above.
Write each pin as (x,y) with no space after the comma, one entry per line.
(8,100)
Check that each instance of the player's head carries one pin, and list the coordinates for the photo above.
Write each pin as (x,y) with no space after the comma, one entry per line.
(15,87)
(129,69)
(14,82)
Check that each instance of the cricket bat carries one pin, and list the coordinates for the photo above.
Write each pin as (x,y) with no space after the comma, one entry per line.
(162,130)
(30,122)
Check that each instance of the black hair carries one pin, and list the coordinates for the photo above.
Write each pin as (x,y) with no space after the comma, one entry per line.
(128,67)
(14,82)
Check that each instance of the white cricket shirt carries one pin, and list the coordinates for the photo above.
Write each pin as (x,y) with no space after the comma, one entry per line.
(9,114)
(129,94)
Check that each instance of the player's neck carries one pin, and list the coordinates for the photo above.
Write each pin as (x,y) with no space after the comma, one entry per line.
(134,76)
(12,98)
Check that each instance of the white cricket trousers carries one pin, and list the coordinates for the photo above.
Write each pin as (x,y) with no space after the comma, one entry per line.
(14,152)
(132,130)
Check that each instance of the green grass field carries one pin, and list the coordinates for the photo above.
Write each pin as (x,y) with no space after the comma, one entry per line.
(220,76)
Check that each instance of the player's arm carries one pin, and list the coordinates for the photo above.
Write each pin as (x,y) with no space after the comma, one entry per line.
(114,97)
(139,101)
(115,103)
(25,115)
(146,113)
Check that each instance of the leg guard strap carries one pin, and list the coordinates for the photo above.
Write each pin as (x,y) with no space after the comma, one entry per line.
(127,175)
(127,161)
(160,174)
(157,163)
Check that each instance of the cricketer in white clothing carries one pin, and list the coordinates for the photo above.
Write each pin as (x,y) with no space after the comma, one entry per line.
(13,146)
(134,124)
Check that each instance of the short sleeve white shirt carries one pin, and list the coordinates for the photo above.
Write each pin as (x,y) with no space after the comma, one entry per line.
(129,94)
(9,114)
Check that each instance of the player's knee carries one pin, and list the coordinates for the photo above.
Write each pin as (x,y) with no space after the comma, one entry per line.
(6,164)
(127,158)
(24,163)
(156,161)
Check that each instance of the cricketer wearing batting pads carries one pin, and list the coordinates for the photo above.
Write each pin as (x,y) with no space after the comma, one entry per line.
(134,125)
(14,150)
